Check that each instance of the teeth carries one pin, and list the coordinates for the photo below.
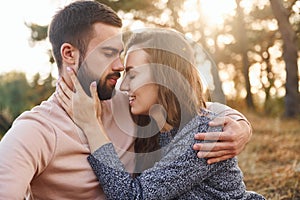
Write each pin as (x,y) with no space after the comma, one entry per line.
(131,98)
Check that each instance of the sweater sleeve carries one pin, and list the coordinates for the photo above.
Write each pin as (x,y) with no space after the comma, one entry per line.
(25,151)
(175,174)
(223,110)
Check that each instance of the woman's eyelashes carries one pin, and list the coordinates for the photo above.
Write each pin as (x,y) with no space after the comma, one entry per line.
(130,74)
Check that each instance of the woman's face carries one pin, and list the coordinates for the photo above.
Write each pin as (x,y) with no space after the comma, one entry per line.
(138,82)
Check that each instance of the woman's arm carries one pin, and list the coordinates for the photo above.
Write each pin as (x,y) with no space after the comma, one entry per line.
(176,173)
(96,135)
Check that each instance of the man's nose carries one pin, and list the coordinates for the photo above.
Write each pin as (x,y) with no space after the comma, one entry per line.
(117,65)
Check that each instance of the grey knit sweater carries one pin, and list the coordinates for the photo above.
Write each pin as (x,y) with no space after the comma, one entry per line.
(180,174)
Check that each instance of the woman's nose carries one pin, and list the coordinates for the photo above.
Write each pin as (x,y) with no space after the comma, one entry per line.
(124,84)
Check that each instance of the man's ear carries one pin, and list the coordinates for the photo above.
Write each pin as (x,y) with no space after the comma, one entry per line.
(69,54)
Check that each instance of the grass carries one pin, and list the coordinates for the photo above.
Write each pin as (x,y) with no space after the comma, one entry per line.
(271,160)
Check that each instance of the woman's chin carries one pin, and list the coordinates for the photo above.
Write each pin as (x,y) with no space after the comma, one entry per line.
(134,112)
(138,112)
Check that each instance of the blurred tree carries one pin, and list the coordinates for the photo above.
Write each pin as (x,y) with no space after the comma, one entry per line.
(41,89)
(13,92)
(254,38)
(170,10)
(243,49)
(242,44)
(38,32)
(126,6)
(13,98)
(150,12)
(4,124)
(290,55)
(17,95)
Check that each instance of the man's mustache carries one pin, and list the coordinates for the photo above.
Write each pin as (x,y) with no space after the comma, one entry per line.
(114,75)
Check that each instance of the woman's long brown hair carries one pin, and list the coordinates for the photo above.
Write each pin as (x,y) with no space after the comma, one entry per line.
(180,90)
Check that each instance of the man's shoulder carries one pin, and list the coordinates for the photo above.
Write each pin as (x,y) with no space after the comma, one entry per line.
(40,117)
(199,123)
(218,108)
(34,124)
(215,106)
(37,113)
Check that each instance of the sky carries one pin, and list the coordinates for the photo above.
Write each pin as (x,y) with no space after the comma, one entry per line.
(16,52)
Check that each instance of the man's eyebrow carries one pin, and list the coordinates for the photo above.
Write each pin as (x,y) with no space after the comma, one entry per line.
(114,50)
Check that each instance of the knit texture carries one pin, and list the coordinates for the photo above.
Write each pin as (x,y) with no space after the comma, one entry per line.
(180,174)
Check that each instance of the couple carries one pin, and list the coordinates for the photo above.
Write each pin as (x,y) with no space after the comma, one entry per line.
(45,152)
(167,103)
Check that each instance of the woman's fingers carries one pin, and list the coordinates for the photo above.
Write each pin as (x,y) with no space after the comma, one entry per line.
(63,100)
(77,103)
(93,90)
(65,89)
(77,86)
(94,93)
(61,94)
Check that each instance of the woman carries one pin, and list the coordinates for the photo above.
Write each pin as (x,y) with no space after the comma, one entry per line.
(167,103)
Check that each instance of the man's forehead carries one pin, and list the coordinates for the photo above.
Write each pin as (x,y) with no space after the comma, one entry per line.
(106,35)
(114,42)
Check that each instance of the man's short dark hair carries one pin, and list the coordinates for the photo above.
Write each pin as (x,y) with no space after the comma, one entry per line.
(74,24)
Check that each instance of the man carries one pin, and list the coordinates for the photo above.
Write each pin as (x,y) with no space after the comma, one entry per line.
(44,151)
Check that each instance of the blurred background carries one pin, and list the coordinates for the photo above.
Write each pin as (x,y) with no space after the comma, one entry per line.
(255,47)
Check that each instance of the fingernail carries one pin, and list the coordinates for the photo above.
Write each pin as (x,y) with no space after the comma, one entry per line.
(94,83)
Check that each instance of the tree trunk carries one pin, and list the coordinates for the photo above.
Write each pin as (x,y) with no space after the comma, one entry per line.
(243,47)
(217,94)
(292,97)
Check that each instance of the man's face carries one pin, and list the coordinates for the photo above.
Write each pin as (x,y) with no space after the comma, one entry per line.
(102,63)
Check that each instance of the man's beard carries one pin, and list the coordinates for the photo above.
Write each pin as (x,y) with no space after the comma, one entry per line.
(86,77)
(105,92)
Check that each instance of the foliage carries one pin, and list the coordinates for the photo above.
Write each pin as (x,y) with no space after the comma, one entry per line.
(38,32)
(245,50)
(253,36)
(127,6)
(18,95)
(13,92)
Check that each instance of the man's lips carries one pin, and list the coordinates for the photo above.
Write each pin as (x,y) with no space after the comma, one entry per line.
(113,78)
